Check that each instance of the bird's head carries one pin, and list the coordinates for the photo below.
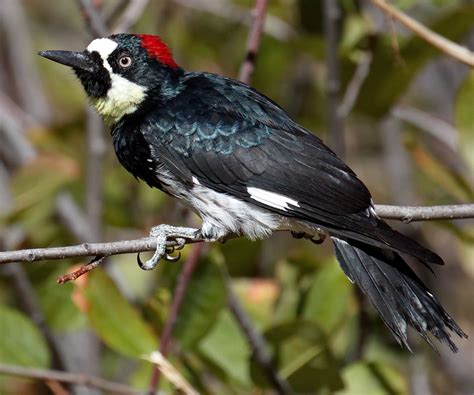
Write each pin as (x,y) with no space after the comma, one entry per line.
(119,73)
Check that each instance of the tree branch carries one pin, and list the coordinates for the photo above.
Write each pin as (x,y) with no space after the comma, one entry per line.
(332,14)
(402,213)
(94,20)
(72,378)
(253,44)
(450,48)
(409,214)
(257,343)
(130,15)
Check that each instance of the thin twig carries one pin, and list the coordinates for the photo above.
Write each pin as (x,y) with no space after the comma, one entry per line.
(95,22)
(274,26)
(257,343)
(450,48)
(332,15)
(72,378)
(115,11)
(431,124)
(130,15)
(72,218)
(354,86)
(253,44)
(96,261)
(171,373)
(402,213)
(178,297)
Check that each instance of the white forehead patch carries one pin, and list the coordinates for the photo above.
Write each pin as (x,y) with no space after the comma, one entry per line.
(104,46)
(124,96)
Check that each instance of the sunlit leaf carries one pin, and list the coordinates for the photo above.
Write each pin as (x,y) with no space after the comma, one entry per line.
(22,343)
(329,297)
(226,347)
(115,320)
(373,379)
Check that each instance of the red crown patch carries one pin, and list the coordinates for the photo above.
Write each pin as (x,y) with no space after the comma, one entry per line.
(157,49)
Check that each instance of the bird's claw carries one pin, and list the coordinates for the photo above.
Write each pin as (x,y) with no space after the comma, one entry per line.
(163,234)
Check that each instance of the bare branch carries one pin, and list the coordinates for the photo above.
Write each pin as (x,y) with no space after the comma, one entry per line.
(450,48)
(95,22)
(274,26)
(257,343)
(171,373)
(253,44)
(438,128)
(332,14)
(354,86)
(402,213)
(431,213)
(72,378)
(130,15)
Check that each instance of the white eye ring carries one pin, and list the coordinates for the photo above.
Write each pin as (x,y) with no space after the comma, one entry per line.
(125,61)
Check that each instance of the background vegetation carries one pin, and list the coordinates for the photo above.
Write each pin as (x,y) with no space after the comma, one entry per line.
(409,134)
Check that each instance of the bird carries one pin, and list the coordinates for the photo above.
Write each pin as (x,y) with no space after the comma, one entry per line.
(238,160)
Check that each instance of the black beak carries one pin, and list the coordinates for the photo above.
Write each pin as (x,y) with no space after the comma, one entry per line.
(78,60)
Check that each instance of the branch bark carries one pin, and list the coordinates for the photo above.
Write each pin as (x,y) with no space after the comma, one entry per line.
(253,43)
(450,48)
(403,213)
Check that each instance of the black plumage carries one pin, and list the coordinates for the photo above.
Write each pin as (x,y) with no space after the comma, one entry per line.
(211,141)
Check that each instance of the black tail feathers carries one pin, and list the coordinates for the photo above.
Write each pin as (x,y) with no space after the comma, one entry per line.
(396,292)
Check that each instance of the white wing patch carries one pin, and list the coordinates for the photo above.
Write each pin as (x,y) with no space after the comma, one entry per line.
(271,199)
(124,96)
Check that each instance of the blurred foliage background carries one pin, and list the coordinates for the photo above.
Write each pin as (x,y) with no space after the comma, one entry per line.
(409,135)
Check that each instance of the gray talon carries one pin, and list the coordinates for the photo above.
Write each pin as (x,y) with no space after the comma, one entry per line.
(163,233)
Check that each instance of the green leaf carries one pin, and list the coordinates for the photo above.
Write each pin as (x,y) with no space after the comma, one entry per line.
(22,342)
(389,79)
(115,320)
(227,348)
(329,297)
(373,379)
(464,119)
(287,305)
(204,299)
(303,357)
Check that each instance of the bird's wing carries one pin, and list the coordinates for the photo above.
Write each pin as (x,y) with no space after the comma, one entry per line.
(236,141)
(231,139)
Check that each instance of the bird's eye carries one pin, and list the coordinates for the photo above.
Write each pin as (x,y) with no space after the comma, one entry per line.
(125,61)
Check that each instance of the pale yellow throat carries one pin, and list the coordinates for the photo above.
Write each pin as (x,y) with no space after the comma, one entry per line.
(123,98)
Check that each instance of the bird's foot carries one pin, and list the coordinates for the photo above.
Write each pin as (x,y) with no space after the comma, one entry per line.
(163,234)
(316,239)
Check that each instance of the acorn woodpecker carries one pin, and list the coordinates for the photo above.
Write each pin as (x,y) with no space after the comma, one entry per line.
(247,169)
